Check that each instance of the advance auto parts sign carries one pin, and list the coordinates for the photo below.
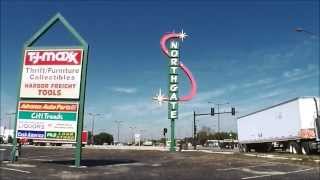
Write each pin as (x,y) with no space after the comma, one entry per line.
(51,73)
(47,120)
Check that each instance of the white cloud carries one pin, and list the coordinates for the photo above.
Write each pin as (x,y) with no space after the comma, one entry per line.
(301,73)
(125,90)
(293,73)
(258,82)
(271,94)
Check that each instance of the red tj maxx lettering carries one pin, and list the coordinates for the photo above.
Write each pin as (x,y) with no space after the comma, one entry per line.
(53,57)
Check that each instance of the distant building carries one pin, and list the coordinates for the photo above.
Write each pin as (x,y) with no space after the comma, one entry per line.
(137,138)
(5,133)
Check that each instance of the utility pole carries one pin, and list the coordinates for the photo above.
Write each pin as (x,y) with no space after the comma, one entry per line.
(218,105)
(118,127)
(218,118)
(132,131)
(141,131)
(194,131)
(212,113)
(92,125)
(9,118)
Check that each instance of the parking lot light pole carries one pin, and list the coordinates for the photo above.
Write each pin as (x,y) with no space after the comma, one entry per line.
(92,125)
(118,127)
(9,118)
(141,131)
(132,131)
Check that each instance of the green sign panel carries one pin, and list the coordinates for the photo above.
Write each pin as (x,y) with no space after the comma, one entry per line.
(60,135)
(173,80)
(48,116)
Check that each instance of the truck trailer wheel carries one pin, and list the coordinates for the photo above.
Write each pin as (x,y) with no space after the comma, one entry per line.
(305,149)
(269,147)
(244,148)
(294,148)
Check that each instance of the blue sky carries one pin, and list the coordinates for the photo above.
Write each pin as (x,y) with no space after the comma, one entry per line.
(246,53)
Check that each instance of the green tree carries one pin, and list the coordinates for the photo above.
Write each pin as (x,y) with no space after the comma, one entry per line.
(101,138)
(206,133)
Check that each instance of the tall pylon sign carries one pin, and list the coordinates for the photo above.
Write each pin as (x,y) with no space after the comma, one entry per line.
(50,100)
(175,64)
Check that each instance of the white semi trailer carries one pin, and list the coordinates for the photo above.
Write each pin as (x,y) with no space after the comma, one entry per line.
(293,125)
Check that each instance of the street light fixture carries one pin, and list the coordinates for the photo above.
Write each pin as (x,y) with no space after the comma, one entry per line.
(299,29)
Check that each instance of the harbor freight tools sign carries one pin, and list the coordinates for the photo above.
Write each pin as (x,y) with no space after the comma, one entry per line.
(51,73)
(173,80)
(47,120)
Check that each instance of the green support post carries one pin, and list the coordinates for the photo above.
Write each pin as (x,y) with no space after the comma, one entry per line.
(78,153)
(173,138)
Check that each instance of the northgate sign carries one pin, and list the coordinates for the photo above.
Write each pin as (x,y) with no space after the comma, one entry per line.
(174,65)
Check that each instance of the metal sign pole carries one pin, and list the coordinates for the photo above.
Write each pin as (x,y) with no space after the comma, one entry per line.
(78,153)
(173,139)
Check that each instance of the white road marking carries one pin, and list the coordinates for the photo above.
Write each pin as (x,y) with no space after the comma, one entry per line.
(279,173)
(129,164)
(3,149)
(235,168)
(216,152)
(36,159)
(273,157)
(17,170)
(47,156)
(21,165)
(208,151)
(73,166)
(156,165)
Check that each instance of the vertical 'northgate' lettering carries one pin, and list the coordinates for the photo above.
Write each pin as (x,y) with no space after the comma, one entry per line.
(173,80)
(174,63)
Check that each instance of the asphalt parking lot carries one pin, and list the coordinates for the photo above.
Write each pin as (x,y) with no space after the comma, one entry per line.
(57,163)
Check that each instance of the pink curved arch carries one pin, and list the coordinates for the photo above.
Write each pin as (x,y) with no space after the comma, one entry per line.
(184,68)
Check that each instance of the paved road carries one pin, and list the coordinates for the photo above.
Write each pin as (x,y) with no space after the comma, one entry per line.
(56,163)
(5,152)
